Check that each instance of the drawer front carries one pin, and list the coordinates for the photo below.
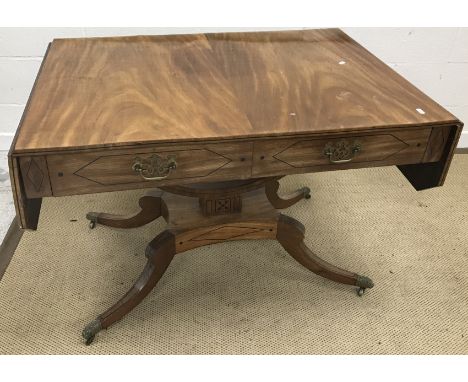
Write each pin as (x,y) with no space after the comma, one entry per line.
(114,170)
(297,155)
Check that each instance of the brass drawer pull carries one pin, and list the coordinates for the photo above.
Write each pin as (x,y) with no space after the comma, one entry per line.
(155,168)
(341,152)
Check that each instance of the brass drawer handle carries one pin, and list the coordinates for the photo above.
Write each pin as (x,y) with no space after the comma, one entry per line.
(155,167)
(341,152)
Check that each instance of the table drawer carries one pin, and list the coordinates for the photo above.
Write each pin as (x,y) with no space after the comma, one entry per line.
(297,155)
(113,170)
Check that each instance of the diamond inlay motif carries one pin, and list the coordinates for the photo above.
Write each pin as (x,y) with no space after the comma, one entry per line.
(226,233)
(35,175)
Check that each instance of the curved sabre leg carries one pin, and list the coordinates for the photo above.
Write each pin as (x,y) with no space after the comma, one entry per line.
(160,253)
(291,236)
(271,190)
(151,208)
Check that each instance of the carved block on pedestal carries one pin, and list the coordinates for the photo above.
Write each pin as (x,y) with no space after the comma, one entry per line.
(220,205)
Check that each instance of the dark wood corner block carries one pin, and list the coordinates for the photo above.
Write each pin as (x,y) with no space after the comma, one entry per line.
(437,158)
(35,176)
(210,123)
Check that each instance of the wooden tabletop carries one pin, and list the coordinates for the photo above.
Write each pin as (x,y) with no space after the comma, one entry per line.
(120,91)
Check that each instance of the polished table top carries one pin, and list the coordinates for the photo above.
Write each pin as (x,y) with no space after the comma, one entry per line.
(120,91)
(109,114)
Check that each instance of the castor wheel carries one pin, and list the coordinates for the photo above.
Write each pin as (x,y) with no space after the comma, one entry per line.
(363,282)
(89,340)
(307,193)
(90,331)
(93,219)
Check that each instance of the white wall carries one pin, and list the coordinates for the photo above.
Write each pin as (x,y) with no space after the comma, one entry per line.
(434,59)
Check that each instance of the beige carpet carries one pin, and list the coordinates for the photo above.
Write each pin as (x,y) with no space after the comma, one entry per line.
(251,297)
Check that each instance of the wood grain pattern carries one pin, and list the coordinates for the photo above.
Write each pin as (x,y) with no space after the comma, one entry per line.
(128,90)
(245,230)
(291,237)
(151,208)
(186,209)
(160,253)
(319,80)
(206,190)
(437,143)
(228,107)
(27,210)
(131,90)
(427,175)
(272,186)
(186,212)
(111,170)
(231,106)
(188,228)
(291,156)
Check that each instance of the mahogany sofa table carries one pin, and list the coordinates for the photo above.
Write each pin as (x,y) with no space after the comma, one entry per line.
(210,123)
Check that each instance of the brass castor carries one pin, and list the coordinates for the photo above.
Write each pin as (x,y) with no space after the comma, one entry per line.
(89,340)
(92,217)
(90,331)
(363,282)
